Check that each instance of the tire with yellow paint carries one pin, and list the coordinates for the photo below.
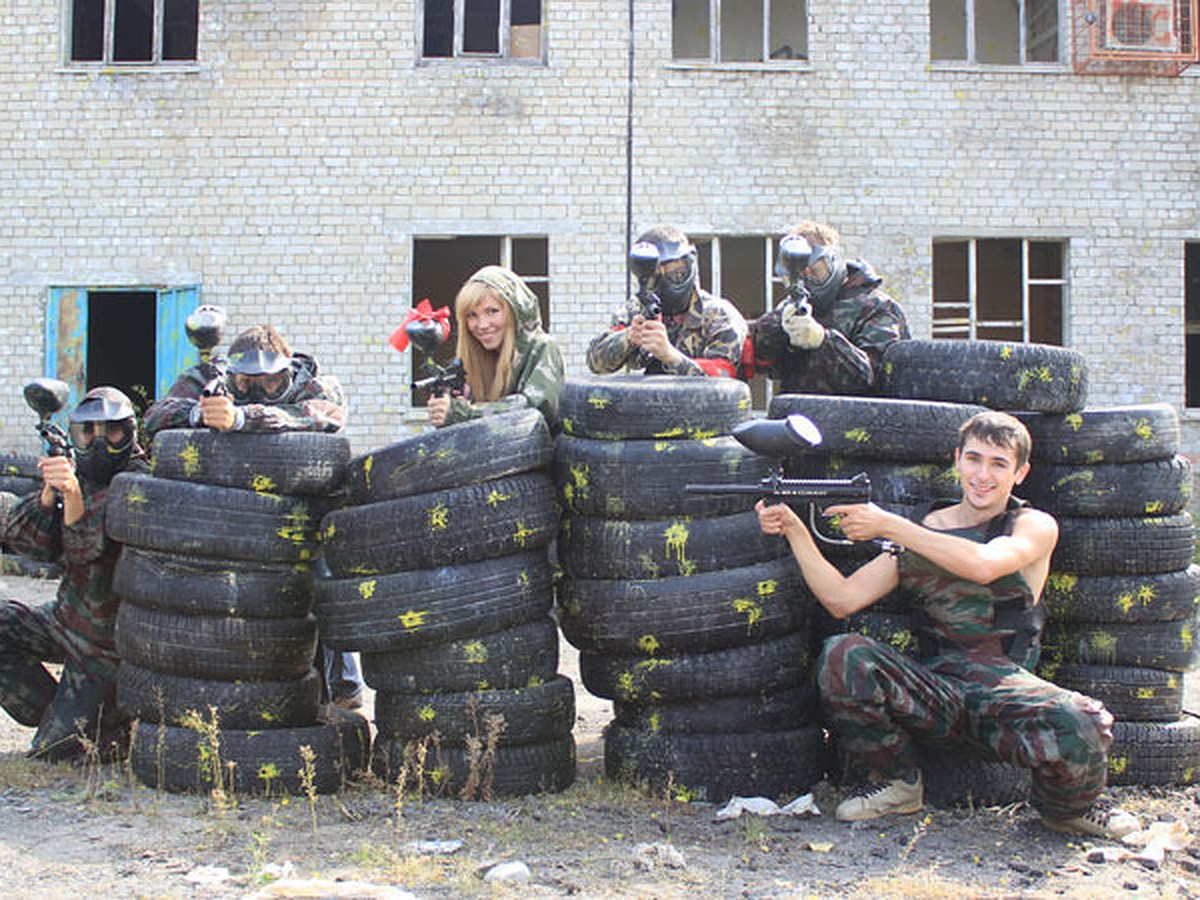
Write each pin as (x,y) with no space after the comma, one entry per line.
(781,710)
(421,607)
(1107,434)
(892,483)
(959,775)
(620,407)
(1124,545)
(464,453)
(1160,487)
(692,614)
(1130,693)
(306,463)
(1174,646)
(1155,597)
(440,528)
(460,772)
(1161,753)
(997,374)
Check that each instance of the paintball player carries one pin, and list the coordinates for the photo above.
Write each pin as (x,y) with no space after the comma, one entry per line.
(975,570)
(268,389)
(64,522)
(696,333)
(510,362)
(837,346)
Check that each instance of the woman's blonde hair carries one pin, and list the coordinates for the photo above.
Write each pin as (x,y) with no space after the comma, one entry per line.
(487,371)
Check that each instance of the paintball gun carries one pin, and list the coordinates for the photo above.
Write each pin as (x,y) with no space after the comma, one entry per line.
(204,328)
(778,438)
(427,328)
(794,254)
(643,261)
(47,396)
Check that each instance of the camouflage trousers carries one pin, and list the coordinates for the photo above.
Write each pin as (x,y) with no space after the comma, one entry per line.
(881,702)
(60,710)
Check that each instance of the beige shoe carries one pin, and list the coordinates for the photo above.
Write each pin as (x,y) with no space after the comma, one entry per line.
(882,798)
(1103,820)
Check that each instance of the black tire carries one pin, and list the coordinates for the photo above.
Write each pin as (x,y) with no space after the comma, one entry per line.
(19,485)
(782,710)
(995,374)
(548,767)
(213,587)
(1149,753)
(212,521)
(892,483)
(155,697)
(645,479)
(1124,546)
(1153,645)
(501,660)
(893,629)
(441,528)
(715,767)
(24,465)
(693,614)
(308,463)
(265,761)
(1159,487)
(531,715)
(757,668)
(1157,597)
(457,455)
(619,407)
(1115,434)
(408,610)
(878,428)
(660,548)
(220,648)
(1131,694)
(958,775)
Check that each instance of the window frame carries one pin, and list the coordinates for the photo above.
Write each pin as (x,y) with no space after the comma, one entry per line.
(108,41)
(459,56)
(970,58)
(714,60)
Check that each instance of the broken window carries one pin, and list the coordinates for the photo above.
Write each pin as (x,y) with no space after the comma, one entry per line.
(134,31)
(994,32)
(739,30)
(1003,289)
(509,29)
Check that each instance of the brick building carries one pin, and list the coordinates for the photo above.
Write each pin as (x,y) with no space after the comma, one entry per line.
(1014,169)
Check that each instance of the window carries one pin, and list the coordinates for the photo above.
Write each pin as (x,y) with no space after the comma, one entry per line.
(1003,289)
(994,32)
(739,30)
(1191,278)
(134,31)
(504,29)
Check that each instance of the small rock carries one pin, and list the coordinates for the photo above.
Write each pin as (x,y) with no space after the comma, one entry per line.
(647,856)
(507,871)
(1130,885)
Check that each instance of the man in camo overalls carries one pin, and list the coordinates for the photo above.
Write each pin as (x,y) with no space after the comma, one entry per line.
(975,570)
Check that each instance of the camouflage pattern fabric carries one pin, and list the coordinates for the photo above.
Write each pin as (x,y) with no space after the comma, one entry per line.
(710,331)
(314,402)
(859,326)
(538,370)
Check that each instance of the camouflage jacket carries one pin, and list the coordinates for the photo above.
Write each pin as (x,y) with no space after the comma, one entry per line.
(711,335)
(952,614)
(537,372)
(85,607)
(859,326)
(314,402)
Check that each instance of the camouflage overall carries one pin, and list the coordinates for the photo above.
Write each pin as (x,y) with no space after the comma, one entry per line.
(859,326)
(970,685)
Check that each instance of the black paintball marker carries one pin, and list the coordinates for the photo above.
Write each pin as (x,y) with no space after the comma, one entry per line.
(204,328)
(643,261)
(794,254)
(777,439)
(47,396)
(427,329)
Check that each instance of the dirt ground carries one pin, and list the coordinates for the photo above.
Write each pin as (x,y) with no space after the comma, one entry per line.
(95,832)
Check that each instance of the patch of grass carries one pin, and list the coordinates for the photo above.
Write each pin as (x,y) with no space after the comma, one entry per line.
(927,886)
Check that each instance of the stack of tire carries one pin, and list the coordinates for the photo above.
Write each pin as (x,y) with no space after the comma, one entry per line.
(438,572)
(19,475)
(1123,590)
(686,616)
(215,628)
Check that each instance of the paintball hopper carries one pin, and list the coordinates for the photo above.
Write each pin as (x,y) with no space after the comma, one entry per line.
(643,260)
(794,254)
(46,396)
(778,438)
(204,327)
(424,326)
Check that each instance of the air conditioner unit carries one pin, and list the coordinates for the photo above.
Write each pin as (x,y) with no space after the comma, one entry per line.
(1142,25)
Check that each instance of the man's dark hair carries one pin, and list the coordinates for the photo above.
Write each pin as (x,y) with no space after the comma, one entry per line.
(1000,430)
(260,337)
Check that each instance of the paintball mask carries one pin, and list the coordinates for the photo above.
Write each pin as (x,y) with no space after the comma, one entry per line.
(102,429)
(259,376)
(677,276)
(825,274)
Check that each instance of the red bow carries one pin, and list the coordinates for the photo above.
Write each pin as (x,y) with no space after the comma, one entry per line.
(422,312)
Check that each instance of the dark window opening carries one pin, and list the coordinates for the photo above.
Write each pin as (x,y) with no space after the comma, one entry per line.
(137,35)
(439,28)
(121,343)
(87,30)
(1191,281)
(481,26)
(133,31)
(181,19)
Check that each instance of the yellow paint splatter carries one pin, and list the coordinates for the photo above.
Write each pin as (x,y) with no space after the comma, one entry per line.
(189,457)
(599,402)
(475,652)
(750,609)
(1063,582)
(368,464)
(439,518)
(1144,430)
(366,589)
(427,713)
(521,534)
(1074,421)
(495,498)
(414,618)
(262,484)
(858,436)
(767,587)
(648,644)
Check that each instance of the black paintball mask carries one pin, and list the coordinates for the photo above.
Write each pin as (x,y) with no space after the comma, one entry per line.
(676,280)
(825,274)
(103,428)
(259,376)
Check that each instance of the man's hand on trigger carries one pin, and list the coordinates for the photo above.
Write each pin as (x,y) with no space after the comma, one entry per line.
(218,412)
(439,409)
(776,518)
(802,329)
(651,335)
(860,521)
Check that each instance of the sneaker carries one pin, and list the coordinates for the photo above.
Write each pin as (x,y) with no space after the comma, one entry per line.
(881,798)
(349,701)
(1103,820)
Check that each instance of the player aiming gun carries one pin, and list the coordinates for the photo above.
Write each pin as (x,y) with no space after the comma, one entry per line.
(204,328)
(427,328)
(794,255)
(778,439)
(643,261)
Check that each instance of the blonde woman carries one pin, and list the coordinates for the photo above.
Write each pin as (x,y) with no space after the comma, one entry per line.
(510,361)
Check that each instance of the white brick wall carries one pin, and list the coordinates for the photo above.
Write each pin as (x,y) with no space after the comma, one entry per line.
(289,173)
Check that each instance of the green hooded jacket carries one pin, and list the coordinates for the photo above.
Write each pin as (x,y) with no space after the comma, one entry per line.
(537,372)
